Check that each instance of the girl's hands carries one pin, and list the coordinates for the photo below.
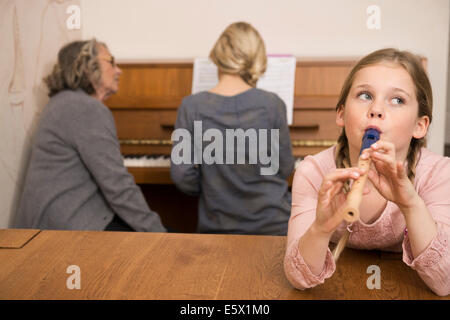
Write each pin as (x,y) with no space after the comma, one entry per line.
(389,176)
(331,200)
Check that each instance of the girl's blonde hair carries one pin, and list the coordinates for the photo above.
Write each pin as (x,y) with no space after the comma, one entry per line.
(77,68)
(240,50)
(413,65)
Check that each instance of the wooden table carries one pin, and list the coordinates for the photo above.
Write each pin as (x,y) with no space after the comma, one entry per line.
(121,265)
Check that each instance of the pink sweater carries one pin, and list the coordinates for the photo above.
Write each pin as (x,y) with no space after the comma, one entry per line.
(432,183)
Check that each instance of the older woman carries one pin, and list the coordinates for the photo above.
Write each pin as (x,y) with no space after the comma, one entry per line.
(76,179)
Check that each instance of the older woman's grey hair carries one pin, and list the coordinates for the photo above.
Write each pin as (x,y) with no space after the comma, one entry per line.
(77,68)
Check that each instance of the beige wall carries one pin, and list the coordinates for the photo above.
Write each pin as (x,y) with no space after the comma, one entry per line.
(31,33)
(179,29)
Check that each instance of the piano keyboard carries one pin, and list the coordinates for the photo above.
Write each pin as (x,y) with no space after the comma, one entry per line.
(158,160)
(155,160)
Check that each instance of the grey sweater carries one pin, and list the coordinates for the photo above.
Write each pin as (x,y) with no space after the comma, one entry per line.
(236,198)
(76,179)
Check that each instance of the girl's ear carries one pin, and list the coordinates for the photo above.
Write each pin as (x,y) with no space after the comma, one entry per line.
(340,116)
(421,127)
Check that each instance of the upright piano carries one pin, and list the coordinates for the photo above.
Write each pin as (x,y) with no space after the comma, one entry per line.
(145,110)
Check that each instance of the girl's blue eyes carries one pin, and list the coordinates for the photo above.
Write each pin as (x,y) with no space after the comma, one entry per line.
(364,96)
(367,96)
(397,100)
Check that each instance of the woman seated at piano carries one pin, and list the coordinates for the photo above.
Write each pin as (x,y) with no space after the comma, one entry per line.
(236,197)
(76,179)
(404,206)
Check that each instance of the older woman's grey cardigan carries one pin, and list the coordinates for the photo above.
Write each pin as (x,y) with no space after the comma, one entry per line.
(76,179)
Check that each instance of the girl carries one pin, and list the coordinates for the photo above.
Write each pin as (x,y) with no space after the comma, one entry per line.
(405,204)
(237,198)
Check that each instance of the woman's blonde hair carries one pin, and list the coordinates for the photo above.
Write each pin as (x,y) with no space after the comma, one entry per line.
(77,68)
(240,50)
(413,65)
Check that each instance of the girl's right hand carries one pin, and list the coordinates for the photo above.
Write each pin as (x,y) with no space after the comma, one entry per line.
(331,200)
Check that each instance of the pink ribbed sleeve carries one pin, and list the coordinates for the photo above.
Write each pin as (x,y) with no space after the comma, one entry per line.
(433,186)
(307,180)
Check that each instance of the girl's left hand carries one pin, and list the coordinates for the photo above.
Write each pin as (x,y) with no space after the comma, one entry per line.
(389,176)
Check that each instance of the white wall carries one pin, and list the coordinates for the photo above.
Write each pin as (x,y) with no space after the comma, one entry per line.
(180,29)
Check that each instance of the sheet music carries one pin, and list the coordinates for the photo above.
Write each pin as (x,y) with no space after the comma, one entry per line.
(278,78)
(204,76)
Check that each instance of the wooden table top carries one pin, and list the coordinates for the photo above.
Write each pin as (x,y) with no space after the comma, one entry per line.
(132,265)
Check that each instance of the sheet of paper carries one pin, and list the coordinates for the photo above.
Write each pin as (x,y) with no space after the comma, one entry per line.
(204,76)
(278,78)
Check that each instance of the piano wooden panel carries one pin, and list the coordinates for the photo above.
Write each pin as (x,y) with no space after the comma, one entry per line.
(314,125)
(178,211)
(150,93)
(152,85)
(145,123)
(321,78)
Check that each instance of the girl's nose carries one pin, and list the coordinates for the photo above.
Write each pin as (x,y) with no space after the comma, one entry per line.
(376,111)
(376,114)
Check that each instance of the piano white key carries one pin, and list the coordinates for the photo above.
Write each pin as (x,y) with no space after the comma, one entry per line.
(146,161)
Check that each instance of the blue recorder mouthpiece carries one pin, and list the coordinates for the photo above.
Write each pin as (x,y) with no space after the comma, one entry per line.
(370,136)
